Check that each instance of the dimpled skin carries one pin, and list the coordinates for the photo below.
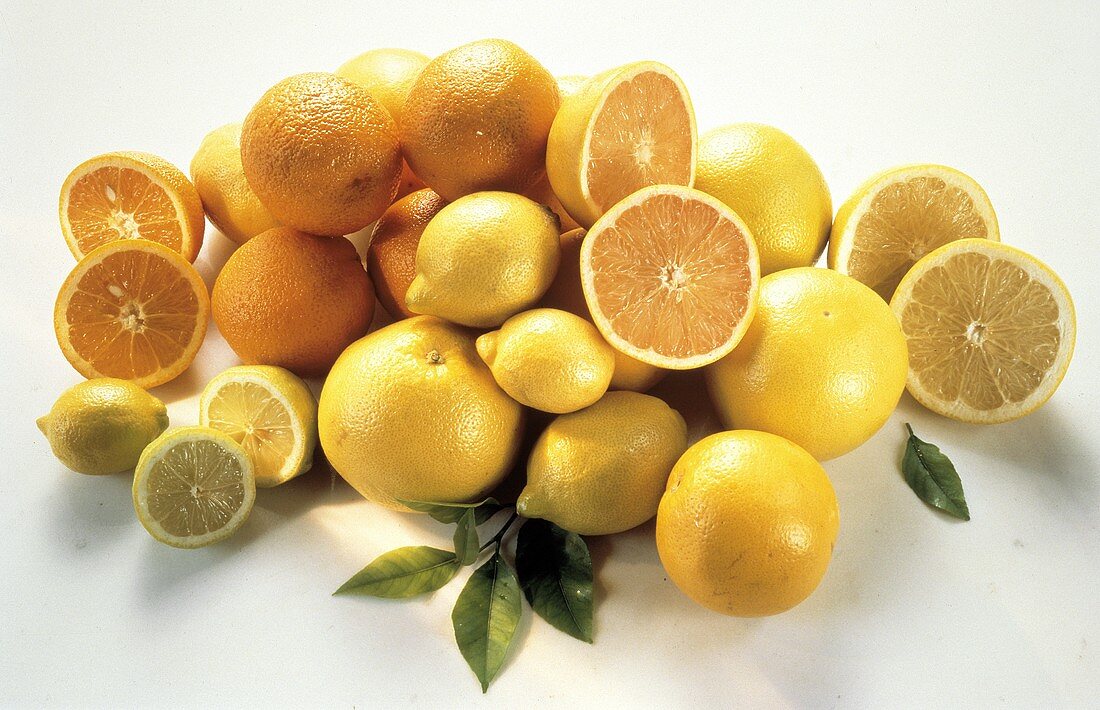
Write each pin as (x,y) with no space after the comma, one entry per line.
(478,117)
(226,197)
(748,523)
(411,412)
(391,256)
(774,185)
(823,363)
(321,154)
(602,470)
(292,299)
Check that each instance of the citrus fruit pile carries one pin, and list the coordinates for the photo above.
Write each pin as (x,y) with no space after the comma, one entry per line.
(544,250)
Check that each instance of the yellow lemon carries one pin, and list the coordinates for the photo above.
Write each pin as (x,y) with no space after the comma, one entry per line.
(748,523)
(226,197)
(388,74)
(774,185)
(410,412)
(822,364)
(603,469)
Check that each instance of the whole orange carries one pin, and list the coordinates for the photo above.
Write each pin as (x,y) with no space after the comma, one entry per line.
(391,257)
(321,154)
(292,299)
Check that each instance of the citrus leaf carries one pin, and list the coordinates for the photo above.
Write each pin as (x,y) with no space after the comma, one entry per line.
(402,573)
(452,512)
(933,477)
(465,538)
(555,571)
(485,617)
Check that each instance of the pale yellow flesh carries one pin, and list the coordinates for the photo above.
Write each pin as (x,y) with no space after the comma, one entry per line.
(259,422)
(195,489)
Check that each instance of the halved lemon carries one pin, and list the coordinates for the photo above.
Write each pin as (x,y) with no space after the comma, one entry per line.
(193,486)
(990,330)
(671,277)
(623,130)
(130,195)
(900,215)
(134,310)
(270,412)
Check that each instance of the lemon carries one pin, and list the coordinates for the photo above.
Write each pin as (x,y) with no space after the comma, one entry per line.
(822,364)
(193,486)
(549,360)
(269,411)
(101,425)
(748,523)
(774,185)
(483,258)
(991,331)
(603,469)
(226,197)
(410,412)
(388,74)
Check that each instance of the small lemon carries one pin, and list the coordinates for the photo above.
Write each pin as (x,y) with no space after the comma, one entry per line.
(226,197)
(747,525)
(483,258)
(549,360)
(101,426)
(603,469)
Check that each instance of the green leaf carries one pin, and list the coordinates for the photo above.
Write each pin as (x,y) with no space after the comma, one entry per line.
(555,571)
(933,477)
(452,512)
(465,538)
(485,617)
(402,573)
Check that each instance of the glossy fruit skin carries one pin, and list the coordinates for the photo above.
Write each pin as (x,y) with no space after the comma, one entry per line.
(294,300)
(477,119)
(603,469)
(411,412)
(391,256)
(100,426)
(770,180)
(748,523)
(823,363)
(227,199)
(321,154)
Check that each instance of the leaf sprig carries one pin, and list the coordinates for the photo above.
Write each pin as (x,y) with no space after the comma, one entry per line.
(933,477)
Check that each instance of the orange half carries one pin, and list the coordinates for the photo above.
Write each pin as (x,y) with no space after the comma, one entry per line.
(671,277)
(132,309)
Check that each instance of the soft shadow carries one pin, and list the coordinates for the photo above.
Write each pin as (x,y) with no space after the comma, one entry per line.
(216,250)
(98,509)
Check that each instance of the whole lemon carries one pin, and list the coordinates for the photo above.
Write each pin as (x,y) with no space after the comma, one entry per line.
(748,523)
(102,425)
(603,469)
(477,118)
(483,258)
(549,360)
(391,256)
(823,363)
(410,412)
(322,154)
(226,197)
(770,180)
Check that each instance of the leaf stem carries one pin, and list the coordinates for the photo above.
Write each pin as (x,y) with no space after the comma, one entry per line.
(910,428)
(500,533)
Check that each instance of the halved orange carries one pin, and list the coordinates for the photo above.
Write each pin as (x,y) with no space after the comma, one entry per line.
(671,277)
(130,195)
(132,309)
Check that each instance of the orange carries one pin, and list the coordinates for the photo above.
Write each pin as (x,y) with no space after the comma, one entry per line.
(132,309)
(130,195)
(294,300)
(321,154)
(391,256)
(671,277)
(477,119)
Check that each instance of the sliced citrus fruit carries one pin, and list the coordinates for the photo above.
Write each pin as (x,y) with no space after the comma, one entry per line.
(130,195)
(193,486)
(671,277)
(270,412)
(132,309)
(623,130)
(990,330)
(900,215)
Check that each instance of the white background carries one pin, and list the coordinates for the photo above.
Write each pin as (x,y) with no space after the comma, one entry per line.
(916,610)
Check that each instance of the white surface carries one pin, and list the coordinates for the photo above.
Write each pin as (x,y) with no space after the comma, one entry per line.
(916,610)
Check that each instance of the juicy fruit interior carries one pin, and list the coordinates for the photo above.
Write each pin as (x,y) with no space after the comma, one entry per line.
(195,488)
(981,331)
(642,136)
(131,314)
(112,203)
(906,220)
(673,276)
(256,420)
